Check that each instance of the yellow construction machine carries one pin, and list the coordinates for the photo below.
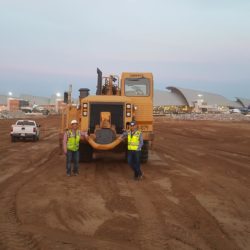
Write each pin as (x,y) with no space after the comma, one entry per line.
(108,114)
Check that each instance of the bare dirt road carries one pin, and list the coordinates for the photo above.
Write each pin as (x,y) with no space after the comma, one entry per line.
(196,194)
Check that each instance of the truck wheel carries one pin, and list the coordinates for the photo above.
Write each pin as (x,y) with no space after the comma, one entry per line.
(13,139)
(85,152)
(144,152)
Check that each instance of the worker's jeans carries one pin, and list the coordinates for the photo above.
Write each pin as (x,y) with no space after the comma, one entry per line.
(72,156)
(134,162)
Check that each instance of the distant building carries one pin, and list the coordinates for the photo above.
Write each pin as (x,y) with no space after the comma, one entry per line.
(167,98)
(14,104)
(180,99)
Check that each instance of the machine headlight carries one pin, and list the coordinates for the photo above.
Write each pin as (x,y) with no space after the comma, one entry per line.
(128,106)
(85,105)
(128,114)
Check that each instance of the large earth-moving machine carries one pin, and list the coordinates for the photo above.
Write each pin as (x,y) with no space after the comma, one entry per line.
(106,115)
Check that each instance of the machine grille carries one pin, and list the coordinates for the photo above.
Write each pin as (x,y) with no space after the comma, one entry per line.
(117,116)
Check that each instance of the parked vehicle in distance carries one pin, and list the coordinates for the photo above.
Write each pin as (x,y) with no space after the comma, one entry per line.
(234,111)
(35,109)
(25,129)
(244,111)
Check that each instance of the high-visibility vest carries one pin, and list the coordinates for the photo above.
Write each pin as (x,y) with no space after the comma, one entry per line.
(73,140)
(134,140)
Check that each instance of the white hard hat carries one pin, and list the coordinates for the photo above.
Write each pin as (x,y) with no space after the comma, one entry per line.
(74,122)
(133,123)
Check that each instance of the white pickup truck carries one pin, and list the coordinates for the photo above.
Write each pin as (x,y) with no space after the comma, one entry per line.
(25,129)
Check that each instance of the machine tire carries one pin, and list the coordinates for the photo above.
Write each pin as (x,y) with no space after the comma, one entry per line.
(144,152)
(85,152)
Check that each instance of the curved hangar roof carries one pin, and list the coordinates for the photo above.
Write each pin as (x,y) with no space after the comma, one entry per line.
(187,97)
(166,98)
(190,96)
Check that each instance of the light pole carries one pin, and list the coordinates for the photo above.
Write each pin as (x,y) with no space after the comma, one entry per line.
(58,95)
(200,98)
(10,94)
(199,101)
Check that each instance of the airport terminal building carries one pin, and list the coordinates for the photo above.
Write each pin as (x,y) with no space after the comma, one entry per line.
(178,100)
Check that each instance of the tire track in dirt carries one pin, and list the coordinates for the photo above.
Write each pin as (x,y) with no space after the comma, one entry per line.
(10,235)
(208,232)
(129,200)
(150,233)
(123,218)
(68,239)
(26,160)
(191,198)
(190,222)
(71,237)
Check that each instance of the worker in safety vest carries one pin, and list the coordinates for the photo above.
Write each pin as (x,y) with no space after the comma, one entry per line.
(71,143)
(135,143)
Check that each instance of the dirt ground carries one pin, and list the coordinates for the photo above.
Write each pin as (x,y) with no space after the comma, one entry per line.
(196,193)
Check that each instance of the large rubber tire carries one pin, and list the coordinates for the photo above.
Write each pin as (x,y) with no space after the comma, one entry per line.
(85,152)
(13,139)
(144,152)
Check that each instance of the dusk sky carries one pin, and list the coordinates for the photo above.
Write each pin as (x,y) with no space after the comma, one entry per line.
(197,44)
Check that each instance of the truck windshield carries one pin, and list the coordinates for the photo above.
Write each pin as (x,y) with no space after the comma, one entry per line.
(28,123)
(137,87)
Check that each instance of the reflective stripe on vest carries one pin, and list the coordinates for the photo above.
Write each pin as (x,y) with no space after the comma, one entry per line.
(73,140)
(133,140)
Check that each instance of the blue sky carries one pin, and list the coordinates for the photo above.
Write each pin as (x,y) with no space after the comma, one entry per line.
(198,44)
